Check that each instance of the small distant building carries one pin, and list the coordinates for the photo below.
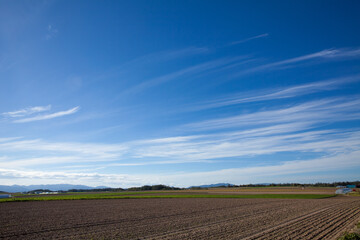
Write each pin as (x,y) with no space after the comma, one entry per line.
(351,186)
(340,186)
(48,193)
(343,191)
(5,195)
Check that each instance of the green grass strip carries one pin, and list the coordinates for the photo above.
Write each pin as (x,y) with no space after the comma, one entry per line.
(103,196)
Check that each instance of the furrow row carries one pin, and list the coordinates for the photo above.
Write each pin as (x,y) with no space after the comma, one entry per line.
(315,224)
(133,223)
(219,227)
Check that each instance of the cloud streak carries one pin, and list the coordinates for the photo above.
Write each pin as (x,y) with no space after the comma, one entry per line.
(324,55)
(289,135)
(27,111)
(206,68)
(167,55)
(280,93)
(48,116)
(261,141)
(192,71)
(290,169)
(149,60)
(289,128)
(249,39)
(294,128)
(325,110)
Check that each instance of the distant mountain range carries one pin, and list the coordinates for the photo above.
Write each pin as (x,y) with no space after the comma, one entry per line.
(52,187)
(213,185)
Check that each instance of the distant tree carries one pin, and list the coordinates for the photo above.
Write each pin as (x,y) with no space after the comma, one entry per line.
(318,184)
(153,187)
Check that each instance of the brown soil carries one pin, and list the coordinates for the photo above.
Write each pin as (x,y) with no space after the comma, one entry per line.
(179,218)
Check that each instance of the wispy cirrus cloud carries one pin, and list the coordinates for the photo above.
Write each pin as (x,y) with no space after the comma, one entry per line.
(26,111)
(207,68)
(167,55)
(48,116)
(279,93)
(9,139)
(325,110)
(75,149)
(149,60)
(255,141)
(288,129)
(324,55)
(249,39)
(311,168)
(192,71)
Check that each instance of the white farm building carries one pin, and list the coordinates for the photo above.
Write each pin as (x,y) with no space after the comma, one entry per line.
(5,195)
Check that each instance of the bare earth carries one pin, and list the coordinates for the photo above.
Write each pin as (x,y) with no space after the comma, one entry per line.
(179,218)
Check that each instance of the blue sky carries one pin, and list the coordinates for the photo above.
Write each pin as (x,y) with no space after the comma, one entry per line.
(128,93)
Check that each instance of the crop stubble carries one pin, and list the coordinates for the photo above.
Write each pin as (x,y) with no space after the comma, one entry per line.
(179,218)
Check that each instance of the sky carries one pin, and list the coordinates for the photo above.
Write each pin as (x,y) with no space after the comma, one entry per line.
(182,93)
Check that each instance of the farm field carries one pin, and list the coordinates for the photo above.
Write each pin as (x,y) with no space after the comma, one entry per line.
(258,192)
(274,190)
(179,218)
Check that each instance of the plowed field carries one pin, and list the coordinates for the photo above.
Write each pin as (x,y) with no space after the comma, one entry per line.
(179,218)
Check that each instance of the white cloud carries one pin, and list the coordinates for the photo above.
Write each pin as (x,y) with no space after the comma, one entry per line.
(189,72)
(28,114)
(250,38)
(197,148)
(166,56)
(48,116)
(167,140)
(288,129)
(73,149)
(272,94)
(273,173)
(243,144)
(151,59)
(326,110)
(9,139)
(266,132)
(27,111)
(327,54)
